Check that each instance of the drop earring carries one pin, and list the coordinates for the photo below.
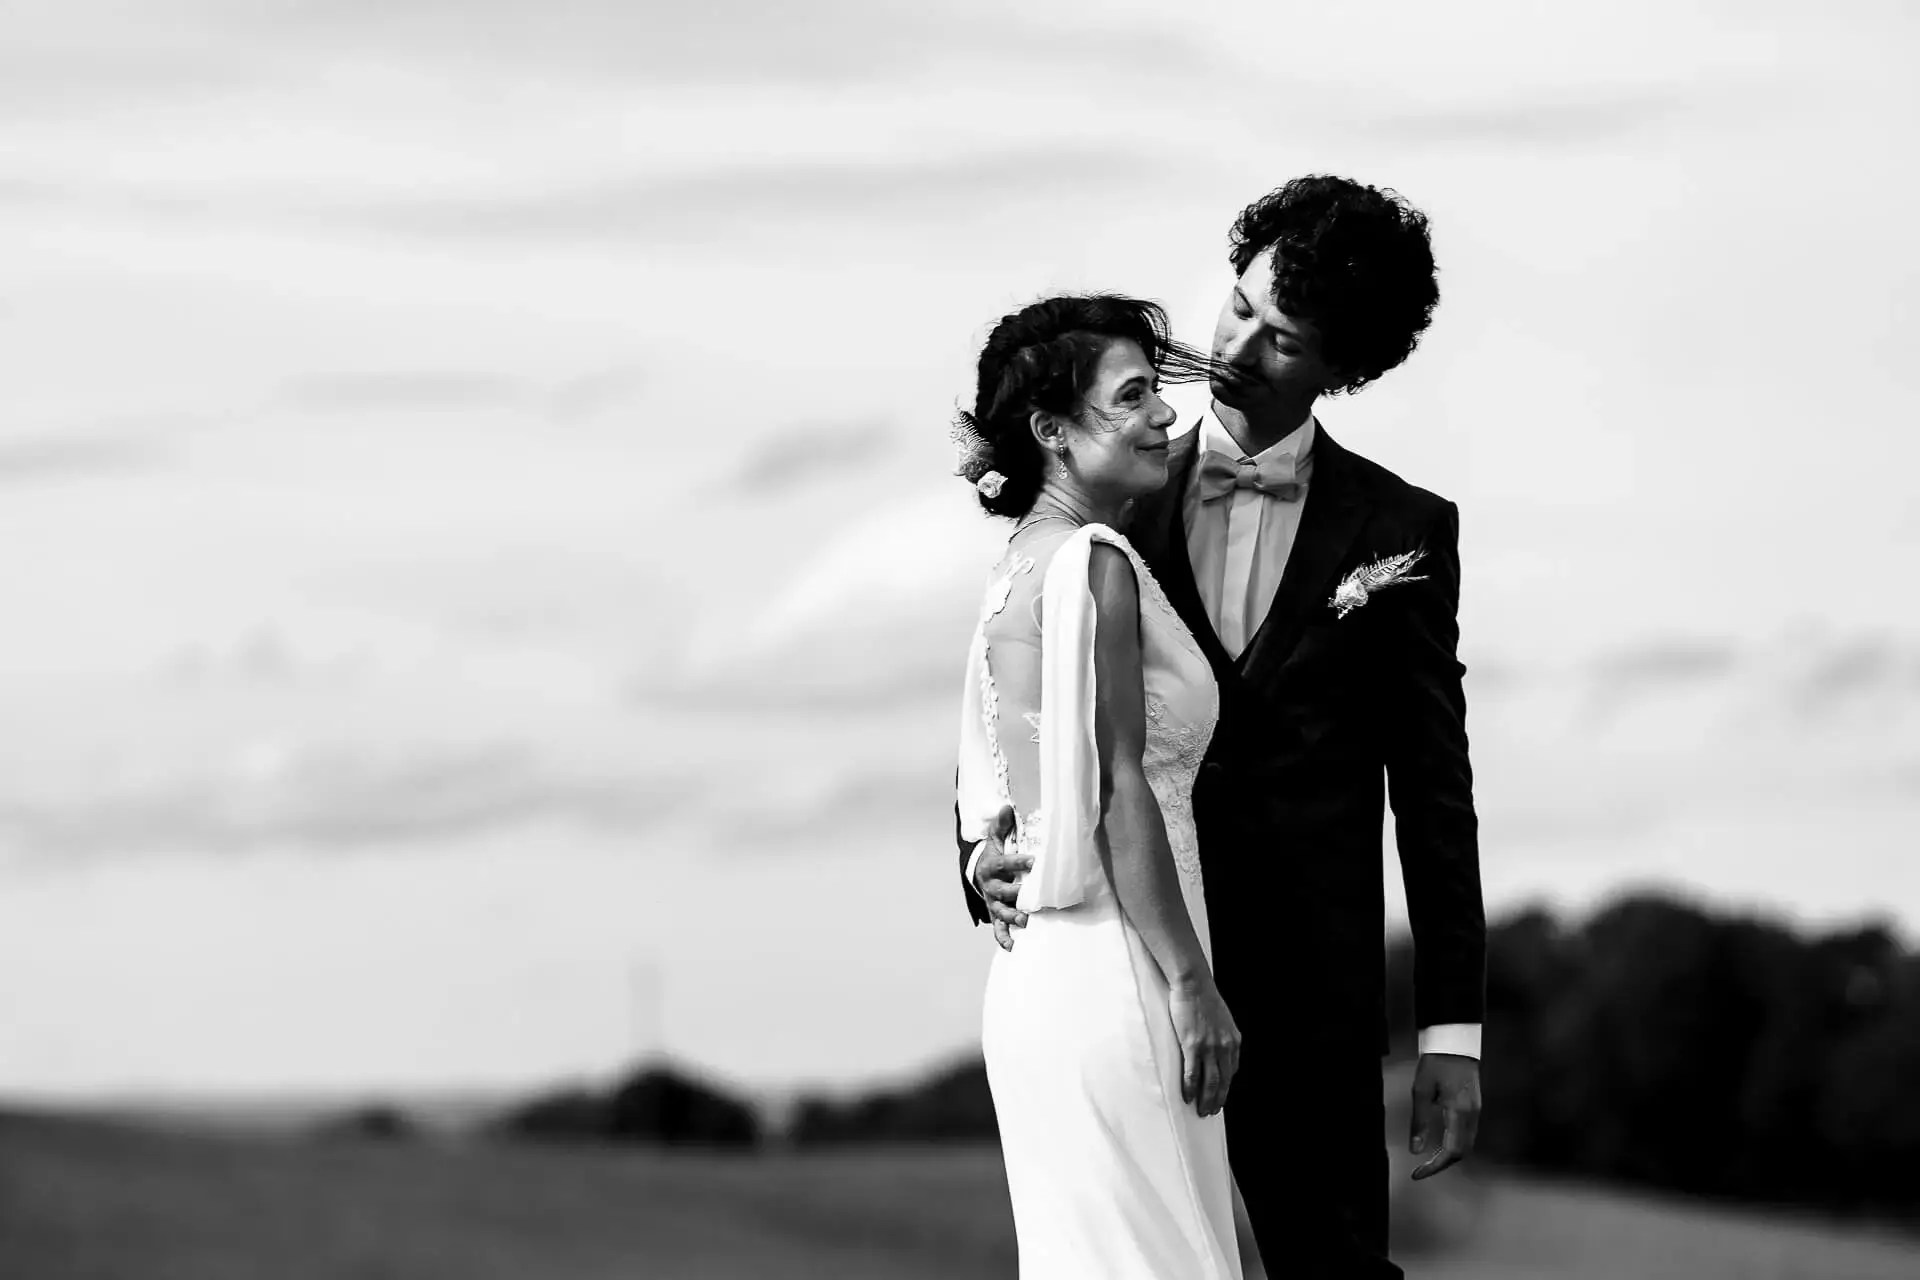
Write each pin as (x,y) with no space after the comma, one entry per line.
(1060,463)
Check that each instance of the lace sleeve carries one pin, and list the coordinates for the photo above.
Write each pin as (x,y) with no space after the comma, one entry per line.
(977,793)
(1066,851)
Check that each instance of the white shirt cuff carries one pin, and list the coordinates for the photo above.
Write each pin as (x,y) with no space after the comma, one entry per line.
(1461,1038)
(973,864)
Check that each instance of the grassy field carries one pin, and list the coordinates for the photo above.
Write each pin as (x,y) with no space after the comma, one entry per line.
(91,1201)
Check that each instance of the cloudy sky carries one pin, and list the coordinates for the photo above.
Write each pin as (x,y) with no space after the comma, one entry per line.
(485,593)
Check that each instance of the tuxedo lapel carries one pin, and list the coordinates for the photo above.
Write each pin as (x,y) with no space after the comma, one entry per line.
(1165,528)
(1335,510)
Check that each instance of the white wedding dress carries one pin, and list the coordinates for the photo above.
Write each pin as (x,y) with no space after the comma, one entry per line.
(1113,1176)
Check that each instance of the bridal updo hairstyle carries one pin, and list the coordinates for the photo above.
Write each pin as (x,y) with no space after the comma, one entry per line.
(1354,260)
(1044,357)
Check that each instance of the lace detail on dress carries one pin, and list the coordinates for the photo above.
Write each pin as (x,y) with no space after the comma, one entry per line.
(997,597)
(1157,596)
(1176,807)
(1178,749)
(1186,743)
(990,712)
(1028,831)
(1002,591)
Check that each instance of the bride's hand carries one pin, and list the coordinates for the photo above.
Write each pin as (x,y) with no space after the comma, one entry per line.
(1209,1043)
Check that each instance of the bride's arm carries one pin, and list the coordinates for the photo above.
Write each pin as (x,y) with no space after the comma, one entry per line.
(1133,832)
(1133,835)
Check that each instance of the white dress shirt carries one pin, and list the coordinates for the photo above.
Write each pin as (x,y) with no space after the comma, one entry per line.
(1239,544)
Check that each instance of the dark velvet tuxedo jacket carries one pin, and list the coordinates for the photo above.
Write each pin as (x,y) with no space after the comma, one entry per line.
(1321,719)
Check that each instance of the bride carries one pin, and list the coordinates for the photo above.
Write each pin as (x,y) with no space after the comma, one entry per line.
(1088,707)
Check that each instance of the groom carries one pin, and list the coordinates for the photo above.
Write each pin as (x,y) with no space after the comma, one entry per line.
(1324,713)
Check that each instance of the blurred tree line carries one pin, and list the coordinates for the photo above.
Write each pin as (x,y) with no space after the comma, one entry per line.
(655,1105)
(663,1105)
(1657,1044)
(1668,1047)
(952,1105)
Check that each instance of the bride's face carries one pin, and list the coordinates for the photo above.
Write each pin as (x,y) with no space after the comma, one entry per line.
(1117,448)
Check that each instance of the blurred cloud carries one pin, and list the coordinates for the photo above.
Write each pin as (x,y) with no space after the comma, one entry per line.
(764,201)
(1661,664)
(418,389)
(829,43)
(335,797)
(81,53)
(82,57)
(790,459)
(582,398)
(79,455)
(591,396)
(1865,669)
(1550,121)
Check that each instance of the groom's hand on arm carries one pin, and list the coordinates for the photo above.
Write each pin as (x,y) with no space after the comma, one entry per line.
(996,876)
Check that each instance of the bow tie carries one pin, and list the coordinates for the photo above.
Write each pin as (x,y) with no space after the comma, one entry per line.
(1221,474)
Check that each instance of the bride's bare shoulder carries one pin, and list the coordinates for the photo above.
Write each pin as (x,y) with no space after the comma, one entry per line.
(1111,578)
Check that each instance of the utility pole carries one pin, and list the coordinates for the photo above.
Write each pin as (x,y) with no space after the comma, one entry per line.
(647,1012)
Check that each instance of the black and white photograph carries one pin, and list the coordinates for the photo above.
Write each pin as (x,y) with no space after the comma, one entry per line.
(846,640)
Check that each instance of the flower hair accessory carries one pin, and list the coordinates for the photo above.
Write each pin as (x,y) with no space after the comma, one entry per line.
(973,453)
(1357,587)
(990,484)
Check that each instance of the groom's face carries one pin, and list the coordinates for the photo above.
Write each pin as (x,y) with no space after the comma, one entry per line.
(1270,355)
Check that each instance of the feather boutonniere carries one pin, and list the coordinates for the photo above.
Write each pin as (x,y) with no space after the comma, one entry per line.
(1355,589)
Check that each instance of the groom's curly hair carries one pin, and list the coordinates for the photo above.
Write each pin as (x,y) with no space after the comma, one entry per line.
(1354,260)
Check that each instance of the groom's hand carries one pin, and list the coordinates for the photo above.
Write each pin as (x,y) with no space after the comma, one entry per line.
(998,876)
(1446,1111)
